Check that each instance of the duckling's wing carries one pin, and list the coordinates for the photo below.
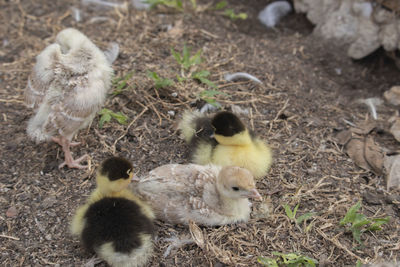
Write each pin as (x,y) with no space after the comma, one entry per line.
(75,95)
(41,76)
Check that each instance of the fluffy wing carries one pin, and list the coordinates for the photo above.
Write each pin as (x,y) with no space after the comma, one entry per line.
(41,76)
(176,192)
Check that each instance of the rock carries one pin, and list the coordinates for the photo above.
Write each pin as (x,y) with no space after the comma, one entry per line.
(395,129)
(363,9)
(367,40)
(382,16)
(340,24)
(12,212)
(393,95)
(389,37)
(361,24)
(392,171)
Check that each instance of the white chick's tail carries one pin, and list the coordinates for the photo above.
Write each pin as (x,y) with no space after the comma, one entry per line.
(273,12)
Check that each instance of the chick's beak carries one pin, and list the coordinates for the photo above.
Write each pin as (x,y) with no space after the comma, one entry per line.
(253,193)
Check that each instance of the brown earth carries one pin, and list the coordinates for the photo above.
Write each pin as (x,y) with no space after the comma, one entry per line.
(309,90)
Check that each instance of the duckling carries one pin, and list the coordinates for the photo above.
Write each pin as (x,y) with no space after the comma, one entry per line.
(67,86)
(225,140)
(208,195)
(114,223)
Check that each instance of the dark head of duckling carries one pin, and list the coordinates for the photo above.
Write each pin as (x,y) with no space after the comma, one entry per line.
(116,168)
(227,124)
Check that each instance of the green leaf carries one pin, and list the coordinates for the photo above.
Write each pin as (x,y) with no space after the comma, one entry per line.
(186,57)
(106,115)
(295,211)
(288,211)
(267,261)
(304,217)
(376,226)
(221,5)
(233,16)
(152,75)
(159,81)
(177,56)
(194,4)
(351,214)
(201,77)
(120,117)
(103,119)
(196,58)
(176,4)
(242,16)
(180,79)
(357,234)
(120,83)
(359,263)
(360,220)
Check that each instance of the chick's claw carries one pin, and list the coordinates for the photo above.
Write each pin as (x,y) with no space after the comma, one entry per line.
(74,163)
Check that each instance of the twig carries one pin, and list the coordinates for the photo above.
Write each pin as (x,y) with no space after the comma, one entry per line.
(127,128)
(10,237)
(12,101)
(336,243)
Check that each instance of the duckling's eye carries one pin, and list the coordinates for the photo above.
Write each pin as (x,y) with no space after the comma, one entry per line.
(235,188)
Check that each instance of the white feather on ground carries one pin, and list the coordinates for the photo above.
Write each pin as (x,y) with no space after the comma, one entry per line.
(240,75)
(76,14)
(140,4)
(67,86)
(106,4)
(372,103)
(112,52)
(272,13)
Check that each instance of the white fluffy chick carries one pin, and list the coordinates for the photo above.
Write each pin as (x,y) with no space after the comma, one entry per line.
(67,86)
(208,195)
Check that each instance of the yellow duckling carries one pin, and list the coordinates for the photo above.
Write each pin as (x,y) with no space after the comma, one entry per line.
(114,223)
(224,140)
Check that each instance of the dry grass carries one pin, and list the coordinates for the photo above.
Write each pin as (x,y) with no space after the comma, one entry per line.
(301,102)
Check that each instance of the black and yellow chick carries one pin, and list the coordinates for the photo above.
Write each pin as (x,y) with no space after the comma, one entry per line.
(114,223)
(225,140)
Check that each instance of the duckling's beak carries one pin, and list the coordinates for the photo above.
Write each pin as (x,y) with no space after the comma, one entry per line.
(253,193)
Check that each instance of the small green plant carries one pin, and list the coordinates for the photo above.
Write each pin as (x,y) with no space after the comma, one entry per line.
(292,214)
(233,16)
(201,76)
(159,82)
(221,5)
(185,60)
(289,259)
(209,97)
(357,222)
(175,4)
(358,263)
(106,115)
(120,83)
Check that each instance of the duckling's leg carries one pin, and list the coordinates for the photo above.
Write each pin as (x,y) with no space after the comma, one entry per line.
(69,161)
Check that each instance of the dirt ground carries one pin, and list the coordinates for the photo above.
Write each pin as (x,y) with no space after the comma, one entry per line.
(309,89)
